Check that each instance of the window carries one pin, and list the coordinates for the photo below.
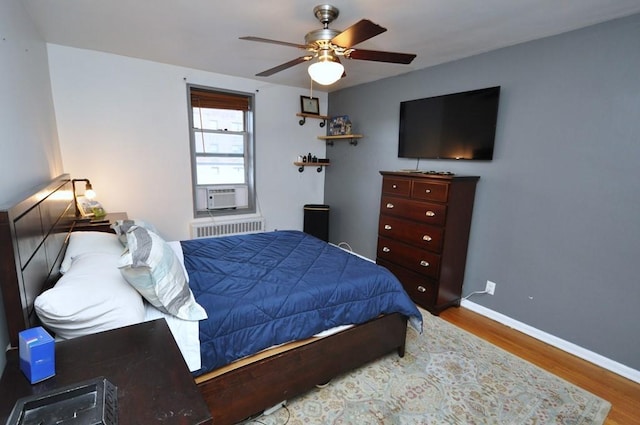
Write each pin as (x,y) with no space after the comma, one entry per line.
(221,151)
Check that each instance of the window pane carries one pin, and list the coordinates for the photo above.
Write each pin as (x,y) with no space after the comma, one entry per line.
(218,119)
(220,170)
(223,143)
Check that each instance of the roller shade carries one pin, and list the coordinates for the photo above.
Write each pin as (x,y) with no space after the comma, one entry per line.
(219,100)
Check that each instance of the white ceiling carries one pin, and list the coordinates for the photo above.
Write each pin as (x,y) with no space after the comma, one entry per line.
(203,34)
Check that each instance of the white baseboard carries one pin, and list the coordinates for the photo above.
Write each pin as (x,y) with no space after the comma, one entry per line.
(567,346)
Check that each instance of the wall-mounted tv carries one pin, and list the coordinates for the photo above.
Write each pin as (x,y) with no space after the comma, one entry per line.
(452,126)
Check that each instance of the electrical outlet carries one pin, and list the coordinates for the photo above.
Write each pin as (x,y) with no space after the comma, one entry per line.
(490,288)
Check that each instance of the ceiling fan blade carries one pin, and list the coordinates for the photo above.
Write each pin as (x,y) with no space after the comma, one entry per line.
(378,56)
(266,40)
(357,33)
(284,66)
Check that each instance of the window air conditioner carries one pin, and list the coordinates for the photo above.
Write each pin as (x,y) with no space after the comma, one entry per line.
(218,199)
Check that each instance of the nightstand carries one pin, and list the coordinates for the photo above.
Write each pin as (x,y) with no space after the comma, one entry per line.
(143,361)
(99,225)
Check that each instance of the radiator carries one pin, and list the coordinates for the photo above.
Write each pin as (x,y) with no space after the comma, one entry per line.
(227,227)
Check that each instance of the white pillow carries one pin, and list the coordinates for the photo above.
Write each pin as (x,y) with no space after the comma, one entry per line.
(91,297)
(83,242)
(152,267)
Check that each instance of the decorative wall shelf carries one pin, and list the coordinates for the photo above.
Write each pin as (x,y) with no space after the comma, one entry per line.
(323,118)
(353,138)
(320,165)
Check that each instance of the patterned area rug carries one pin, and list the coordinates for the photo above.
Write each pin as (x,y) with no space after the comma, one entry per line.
(448,376)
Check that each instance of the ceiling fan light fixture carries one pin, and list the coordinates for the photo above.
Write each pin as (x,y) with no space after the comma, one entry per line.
(326,70)
(328,44)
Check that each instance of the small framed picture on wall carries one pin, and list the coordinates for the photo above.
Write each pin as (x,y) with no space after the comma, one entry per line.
(340,125)
(310,105)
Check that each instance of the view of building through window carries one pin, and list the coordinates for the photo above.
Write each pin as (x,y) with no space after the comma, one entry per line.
(219,146)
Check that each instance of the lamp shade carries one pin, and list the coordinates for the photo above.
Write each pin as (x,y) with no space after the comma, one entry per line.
(327,70)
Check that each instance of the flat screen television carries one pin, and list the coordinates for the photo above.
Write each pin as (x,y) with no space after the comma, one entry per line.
(453,126)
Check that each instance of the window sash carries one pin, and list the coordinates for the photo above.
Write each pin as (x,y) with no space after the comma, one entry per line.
(219,142)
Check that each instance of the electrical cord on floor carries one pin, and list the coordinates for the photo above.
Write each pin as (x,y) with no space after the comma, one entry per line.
(344,244)
(257,421)
(475,293)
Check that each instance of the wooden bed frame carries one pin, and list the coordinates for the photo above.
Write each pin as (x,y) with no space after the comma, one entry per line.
(34,232)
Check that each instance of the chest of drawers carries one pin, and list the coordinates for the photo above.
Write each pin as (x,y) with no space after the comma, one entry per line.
(423,234)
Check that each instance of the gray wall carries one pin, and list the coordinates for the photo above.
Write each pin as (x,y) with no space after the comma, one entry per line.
(29,150)
(556,222)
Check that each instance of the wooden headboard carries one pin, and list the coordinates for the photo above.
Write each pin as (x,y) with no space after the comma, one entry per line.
(34,231)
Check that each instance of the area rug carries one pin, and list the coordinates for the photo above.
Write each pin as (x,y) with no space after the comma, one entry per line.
(447,376)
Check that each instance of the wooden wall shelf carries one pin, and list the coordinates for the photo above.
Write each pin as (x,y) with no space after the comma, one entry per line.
(323,118)
(320,165)
(353,138)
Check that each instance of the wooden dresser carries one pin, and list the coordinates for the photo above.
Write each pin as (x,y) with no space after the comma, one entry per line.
(423,234)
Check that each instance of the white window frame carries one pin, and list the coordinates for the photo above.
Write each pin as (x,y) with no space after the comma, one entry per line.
(199,191)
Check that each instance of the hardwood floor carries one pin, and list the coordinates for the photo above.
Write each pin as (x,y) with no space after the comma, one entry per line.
(622,393)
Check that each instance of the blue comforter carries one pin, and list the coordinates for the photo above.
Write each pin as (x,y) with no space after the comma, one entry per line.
(264,289)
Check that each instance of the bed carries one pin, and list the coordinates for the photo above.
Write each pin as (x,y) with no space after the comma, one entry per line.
(34,234)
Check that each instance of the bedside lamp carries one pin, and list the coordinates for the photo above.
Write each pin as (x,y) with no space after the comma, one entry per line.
(88,193)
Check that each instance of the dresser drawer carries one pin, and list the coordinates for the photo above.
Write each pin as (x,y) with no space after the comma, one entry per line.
(418,260)
(421,235)
(420,211)
(421,289)
(398,187)
(430,191)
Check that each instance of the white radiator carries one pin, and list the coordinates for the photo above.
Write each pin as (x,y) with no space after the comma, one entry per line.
(209,229)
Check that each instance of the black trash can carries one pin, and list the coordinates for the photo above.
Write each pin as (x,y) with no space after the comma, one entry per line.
(316,221)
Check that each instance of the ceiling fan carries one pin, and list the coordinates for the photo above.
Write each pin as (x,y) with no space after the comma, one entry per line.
(328,45)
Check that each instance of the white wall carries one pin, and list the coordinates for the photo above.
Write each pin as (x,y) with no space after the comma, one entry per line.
(29,148)
(123,123)
(29,152)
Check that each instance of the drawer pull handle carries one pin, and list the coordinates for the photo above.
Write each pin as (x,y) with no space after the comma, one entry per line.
(387,227)
(389,205)
(385,249)
(424,263)
(430,213)
(427,191)
(422,289)
(426,238)
(395,186)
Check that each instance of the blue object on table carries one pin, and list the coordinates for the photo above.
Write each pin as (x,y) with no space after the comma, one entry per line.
(37,354)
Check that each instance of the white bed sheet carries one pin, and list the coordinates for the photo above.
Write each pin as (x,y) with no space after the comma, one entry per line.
(185,332)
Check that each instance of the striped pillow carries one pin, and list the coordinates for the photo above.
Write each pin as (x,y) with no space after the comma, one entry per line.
(152,267)
(121,227)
